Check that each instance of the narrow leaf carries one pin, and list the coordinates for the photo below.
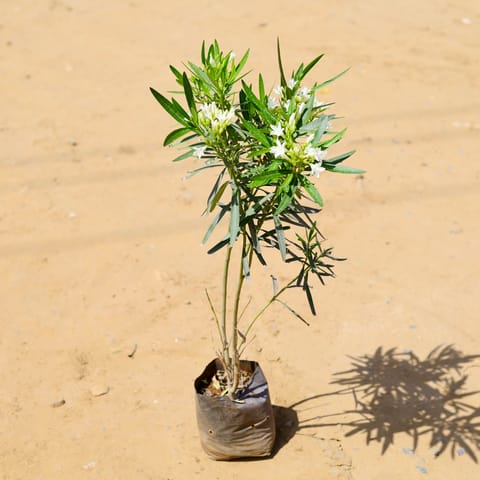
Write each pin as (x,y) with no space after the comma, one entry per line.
(324,84)
(283,81)
(344,169)
(312,191)
(217,196)
(234,216)
(310,66)
(183,156)
(275,285)
(212,226)
(170,107)
(293,311)
(280,237)
(339,158)
(175,135)
(189,96)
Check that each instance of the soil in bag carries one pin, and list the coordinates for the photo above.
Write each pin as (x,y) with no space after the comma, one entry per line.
(240,428)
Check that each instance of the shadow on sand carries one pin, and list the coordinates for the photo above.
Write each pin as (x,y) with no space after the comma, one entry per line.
(397,392)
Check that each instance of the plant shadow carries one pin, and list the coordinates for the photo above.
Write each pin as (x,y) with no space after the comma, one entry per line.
(397,392)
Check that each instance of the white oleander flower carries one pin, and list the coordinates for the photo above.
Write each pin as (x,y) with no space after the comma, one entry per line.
(304,93)
(279,150)
(317,169)
(226,116)
(277,130)
(317,153)
(291,83)
(272,103)
(278,91)
(286,105)
(199,152)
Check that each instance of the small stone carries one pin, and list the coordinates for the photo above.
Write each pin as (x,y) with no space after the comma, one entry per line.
(99,390)
(58,403)
(132,351)
(422,469)
(90,465)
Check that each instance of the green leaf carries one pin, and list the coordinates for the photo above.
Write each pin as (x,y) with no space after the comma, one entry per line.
(336,138)
(203,76)
(177,74)
(258,205)
(343,169)
(212,226)
(267,116)
(339,158)
(283,81)
(261,87)
(242,62)
(280,237)
(308,293)
(218,196)
(234,215)
(267,178)
(189,96)
(183,156)
(286,192)
(176,134)
(312,191)
(324,84)
(256,133)
(293,311)
(200,169)
(310,66)
(171,108)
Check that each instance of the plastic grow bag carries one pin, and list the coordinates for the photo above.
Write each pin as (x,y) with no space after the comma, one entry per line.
(235,429)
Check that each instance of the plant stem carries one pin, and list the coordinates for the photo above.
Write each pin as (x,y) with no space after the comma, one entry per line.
(235,352)
(223,330)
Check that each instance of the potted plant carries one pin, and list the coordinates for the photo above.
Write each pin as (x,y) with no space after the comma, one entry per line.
(264,147)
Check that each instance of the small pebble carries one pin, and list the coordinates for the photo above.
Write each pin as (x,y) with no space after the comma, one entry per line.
(407,451)
(466,21)
(58,403)
(461,451)
(422,469)
(72,214)
(99,390)
(90,465)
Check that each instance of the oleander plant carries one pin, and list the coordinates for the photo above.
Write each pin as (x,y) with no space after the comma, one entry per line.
(267,149)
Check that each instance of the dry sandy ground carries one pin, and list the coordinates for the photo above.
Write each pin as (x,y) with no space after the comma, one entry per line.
(100,254)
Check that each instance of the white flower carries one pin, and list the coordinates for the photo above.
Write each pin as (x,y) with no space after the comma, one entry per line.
(304,93)
(291,83)
(278,150)
(272,103)
(317,153)
(302,107)
(226,116)
(278,91)
(199,152)
(209,111)
(286,105)
(276,130)
(317,169)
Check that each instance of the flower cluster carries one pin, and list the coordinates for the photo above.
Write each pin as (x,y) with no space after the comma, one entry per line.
(213,120)
(288,104)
